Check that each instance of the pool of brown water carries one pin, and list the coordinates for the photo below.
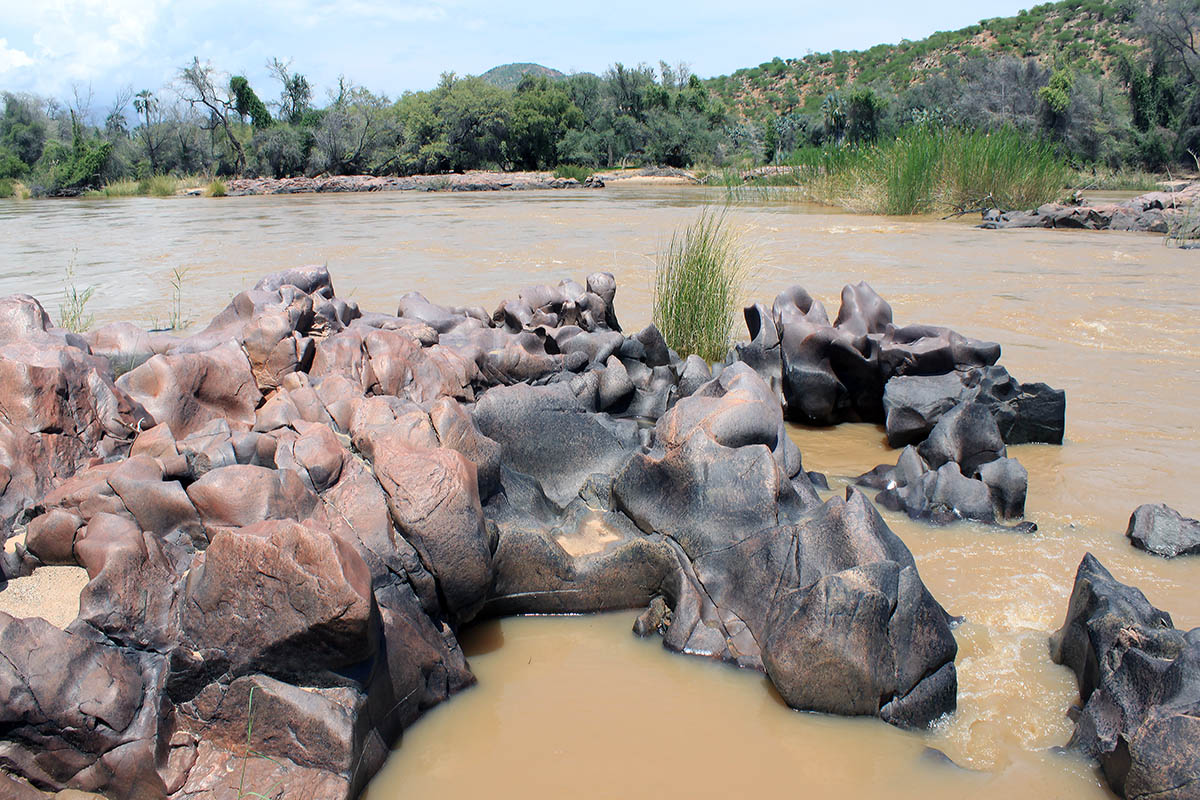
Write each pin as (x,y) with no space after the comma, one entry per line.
(579,706)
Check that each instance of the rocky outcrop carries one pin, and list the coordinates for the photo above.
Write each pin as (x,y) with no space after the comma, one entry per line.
(1024,412)
(830,373)
(1162,530)
(1139,681)
(59,406)
(288,517)
(1151,213)
(961,471)
(472,181)
(932,387)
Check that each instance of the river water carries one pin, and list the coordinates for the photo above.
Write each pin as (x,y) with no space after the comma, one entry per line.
(579,706)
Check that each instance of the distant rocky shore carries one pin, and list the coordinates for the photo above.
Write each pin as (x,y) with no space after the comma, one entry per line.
(1151,213)
(475,181)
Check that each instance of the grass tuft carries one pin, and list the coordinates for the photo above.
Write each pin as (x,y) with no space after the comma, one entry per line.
(217,188)
(698,287)
(72,314)
(159,185)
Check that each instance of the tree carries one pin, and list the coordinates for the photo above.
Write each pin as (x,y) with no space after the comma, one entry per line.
(864,110)
(542,113)
(296,97)
(833,110)
(149,132)
(197,87)
(356,128)
(247,104)
(23,128)
(1173,29)
(115,124)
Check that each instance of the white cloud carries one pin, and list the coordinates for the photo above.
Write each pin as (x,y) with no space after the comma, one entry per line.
(11,58)
(385,12)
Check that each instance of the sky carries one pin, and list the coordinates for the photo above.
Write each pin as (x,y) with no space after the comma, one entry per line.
(97,47)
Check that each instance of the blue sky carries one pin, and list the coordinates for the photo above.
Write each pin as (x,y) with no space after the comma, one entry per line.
(51,46)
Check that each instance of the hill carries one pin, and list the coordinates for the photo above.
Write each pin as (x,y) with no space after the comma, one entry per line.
(1086,36)
(507,76)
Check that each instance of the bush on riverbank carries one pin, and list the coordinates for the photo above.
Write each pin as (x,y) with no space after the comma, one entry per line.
(698,286)
(580,174)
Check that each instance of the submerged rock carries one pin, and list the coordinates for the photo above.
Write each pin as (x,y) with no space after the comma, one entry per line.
(1139,680)
(1162,530)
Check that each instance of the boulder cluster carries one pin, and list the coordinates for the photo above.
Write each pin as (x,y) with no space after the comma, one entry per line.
(287,518)
(939,394)
(1153,212)
(1139,682)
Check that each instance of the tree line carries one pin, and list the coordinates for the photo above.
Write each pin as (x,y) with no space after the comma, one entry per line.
(1146,115)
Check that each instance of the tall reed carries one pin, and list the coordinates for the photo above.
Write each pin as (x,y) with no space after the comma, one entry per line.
(925,170)
(698,286)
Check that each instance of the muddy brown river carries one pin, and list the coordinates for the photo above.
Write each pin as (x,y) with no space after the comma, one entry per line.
(577,705)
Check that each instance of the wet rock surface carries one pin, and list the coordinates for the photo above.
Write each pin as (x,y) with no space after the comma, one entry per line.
(290,515)
(1160,529)
(1139,680)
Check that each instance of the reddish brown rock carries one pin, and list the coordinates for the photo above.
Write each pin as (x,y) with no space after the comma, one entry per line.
(277,597)
(187,390)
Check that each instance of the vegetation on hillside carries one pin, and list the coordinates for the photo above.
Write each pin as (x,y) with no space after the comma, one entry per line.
(508,76)
(1113,83)
(1108,86)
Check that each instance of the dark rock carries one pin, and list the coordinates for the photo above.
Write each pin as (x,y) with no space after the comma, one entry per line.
(966,435)
(1162,530)
(1031,412)
(552,435)
(1139,680)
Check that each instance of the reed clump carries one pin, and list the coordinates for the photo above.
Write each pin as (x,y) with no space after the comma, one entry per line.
(924,170)
(216,188)
(698,286)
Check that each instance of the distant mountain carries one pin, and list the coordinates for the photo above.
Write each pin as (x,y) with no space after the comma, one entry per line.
(507,76)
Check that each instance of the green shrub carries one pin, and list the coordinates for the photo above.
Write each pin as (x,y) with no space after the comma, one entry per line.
(216,188)
(572,171)
(7,189)
(697,287)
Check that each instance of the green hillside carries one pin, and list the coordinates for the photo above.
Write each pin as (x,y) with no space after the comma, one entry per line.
(1084,36)
(507,76)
